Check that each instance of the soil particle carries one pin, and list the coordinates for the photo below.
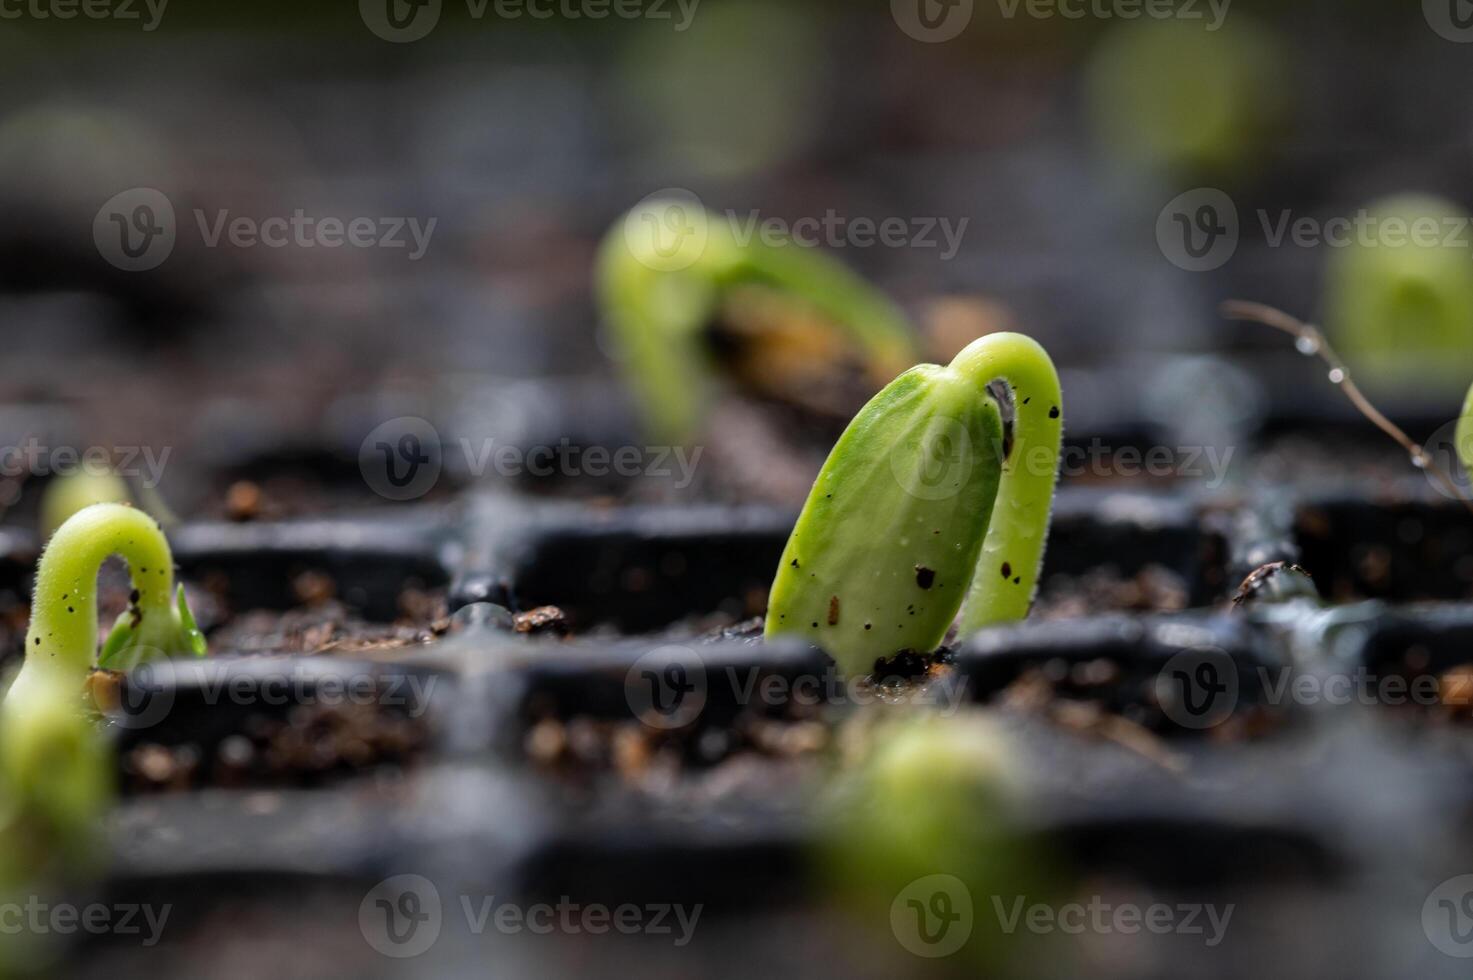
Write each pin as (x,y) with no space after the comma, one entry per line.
(925,576)
(1455,688)
(1154,588)
(310,743)
(331,628)
(544,620)
(833,610)
(243,501)
(313,588)
(1269,580)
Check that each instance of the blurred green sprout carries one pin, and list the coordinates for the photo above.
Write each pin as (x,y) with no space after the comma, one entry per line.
(1175,99)
(669,269)
(55,766)
(70,492)
(923,829)
(921,510)
(1399,297)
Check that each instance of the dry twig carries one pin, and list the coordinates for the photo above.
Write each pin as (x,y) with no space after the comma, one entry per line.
(1311,342)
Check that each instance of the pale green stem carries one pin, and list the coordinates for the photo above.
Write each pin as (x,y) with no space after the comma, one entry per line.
(62,639)
(1008,569)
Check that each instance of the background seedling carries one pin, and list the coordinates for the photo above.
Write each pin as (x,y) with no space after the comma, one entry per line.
(62,637)
(68,493)
(665,272)
(921,507)
(926,814)
(1399,301)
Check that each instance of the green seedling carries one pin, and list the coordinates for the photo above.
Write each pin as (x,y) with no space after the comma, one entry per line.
(1399,301)
(69,493)
(1170,97)
(666,270)
(55,766)
(1309,340)
(921,510)
(62,638)
(923,830)
(56,779)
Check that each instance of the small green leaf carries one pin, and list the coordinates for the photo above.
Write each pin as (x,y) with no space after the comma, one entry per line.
(134,640)
(194,640)
(117,641)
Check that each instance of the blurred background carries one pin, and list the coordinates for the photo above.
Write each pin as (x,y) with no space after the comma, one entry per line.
(1045,161)
(235,243)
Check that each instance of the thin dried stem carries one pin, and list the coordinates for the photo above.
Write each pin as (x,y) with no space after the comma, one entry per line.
(1310,341)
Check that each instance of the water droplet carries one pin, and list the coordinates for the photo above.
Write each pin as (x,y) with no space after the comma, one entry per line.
(1308,346)
(1337,376)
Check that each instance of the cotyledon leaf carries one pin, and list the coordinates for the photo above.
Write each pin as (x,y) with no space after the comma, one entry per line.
(885,548)
(917,510)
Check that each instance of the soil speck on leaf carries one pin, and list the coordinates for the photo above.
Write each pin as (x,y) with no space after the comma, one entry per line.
(925,576)
(833,610)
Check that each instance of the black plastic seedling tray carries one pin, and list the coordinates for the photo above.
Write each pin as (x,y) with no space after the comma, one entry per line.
(526,765)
